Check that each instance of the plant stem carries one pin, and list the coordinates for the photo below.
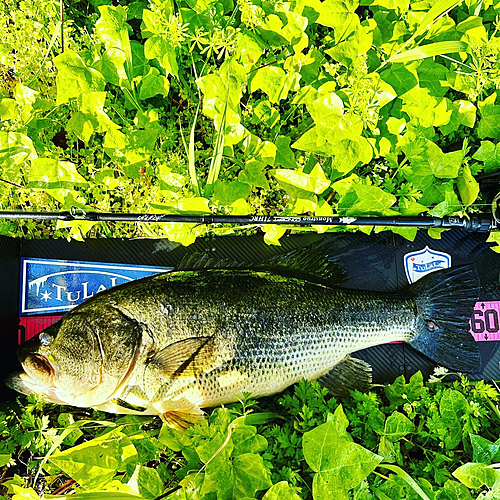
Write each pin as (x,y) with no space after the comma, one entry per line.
(61,4)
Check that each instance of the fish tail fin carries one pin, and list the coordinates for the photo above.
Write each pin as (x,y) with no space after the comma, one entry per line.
(445,301)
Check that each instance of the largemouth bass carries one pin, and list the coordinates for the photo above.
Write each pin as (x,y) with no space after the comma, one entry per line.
(174,343)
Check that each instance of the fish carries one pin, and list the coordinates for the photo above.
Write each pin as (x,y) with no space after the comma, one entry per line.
(175,343)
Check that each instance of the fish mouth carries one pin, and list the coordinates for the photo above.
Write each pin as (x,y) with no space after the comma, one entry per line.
(22,382)
(39,369)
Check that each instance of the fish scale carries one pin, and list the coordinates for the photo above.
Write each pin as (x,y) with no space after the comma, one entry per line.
(174,343)
(291,330)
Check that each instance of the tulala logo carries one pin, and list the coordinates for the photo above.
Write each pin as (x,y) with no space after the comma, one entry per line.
(422,262)
(49,286)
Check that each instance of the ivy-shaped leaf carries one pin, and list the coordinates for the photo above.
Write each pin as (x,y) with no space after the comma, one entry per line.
(75,78)
(339,463)
(273,81)
(367,200)
(490,117)
(49,173)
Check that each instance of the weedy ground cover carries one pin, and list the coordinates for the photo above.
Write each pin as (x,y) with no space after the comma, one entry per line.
(304,107)
(408,440)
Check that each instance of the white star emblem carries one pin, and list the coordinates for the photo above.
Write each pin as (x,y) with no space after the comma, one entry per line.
(46,296)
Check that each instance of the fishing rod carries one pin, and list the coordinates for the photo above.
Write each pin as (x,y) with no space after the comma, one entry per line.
(474,223)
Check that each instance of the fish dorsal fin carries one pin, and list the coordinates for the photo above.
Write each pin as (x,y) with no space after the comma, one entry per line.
(317,262)
(205,260)
(347,375)
(185,358)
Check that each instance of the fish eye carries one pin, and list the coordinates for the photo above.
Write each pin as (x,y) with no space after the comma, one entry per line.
(45,339)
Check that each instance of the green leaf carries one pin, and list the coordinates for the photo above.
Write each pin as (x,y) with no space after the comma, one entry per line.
(349,153)
(169,180)
(437,10)
(249,49)
(284,155)
(240,477)
(420,104)
(240,207)
(281,491)
(147,482)
(226,193)
(433,76)
(154,20)
(490,117)
(428,162)
(409,207)
(191,155)
(339,463)
(264,112)
(246,440)
(400,392)
(140,63)
(94,463)
(273,81)
(111,65)
(429,50)
(488,153)
(49,173)
(91,117)
(484,450)
(462,113)
(468,187)
(326,107)
(448,206)
(253,175)
(111,29)
(183,233)
(196,205)
(453,490)
(153,84)
(400,78)
(397,426)
(315,182)
(452,406)
(475,475)
(366,200)
(324,140)
(159,47)
(9,109)
(273,233)
(344,185)
(75,78)
(358,44)
(82,125)
(408,479)
(174,439)
(15,150)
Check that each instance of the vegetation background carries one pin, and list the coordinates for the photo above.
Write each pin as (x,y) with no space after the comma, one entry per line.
(382,107)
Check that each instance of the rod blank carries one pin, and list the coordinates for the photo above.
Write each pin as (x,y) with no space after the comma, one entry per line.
(475,223)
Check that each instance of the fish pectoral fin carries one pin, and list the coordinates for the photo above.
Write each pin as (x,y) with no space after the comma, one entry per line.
(183,419)
(185,358)
(347,375)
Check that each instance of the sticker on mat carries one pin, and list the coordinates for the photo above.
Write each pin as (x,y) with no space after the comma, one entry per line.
(485,324)
(422,262)
(49,285)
